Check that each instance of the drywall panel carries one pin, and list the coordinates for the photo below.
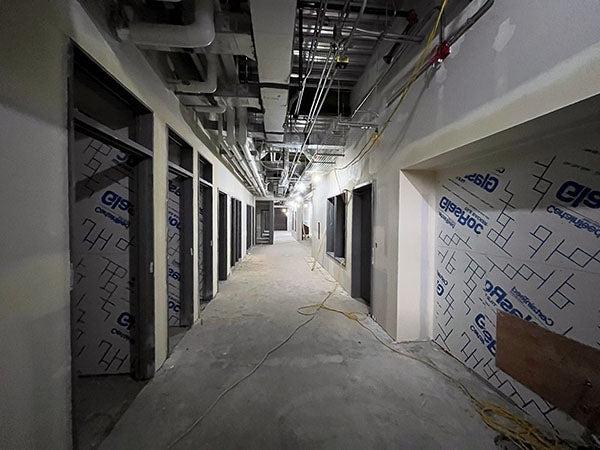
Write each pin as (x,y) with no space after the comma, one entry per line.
(519,232)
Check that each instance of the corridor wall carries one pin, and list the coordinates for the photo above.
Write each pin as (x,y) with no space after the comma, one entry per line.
(35,37)
(501,73)
(519,232)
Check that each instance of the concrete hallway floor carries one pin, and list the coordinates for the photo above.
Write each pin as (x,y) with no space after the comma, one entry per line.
(332,386)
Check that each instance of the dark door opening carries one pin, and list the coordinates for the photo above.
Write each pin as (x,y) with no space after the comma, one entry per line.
(264,222)
(205,232)
(362,242)
(179,258)
(233,234)
(238,231)
(249,216)
(205,242)
(180,239)
(281,220)
(222,236)
(111,248)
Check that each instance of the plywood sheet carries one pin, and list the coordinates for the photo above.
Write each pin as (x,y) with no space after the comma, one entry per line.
(564,372)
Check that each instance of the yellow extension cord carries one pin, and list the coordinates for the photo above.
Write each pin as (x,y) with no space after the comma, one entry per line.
(518,430)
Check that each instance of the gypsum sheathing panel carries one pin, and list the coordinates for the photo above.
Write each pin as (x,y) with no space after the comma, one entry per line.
(518,232)
(102,250)
(174,272)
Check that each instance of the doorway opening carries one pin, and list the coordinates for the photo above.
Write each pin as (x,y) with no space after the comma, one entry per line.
(264,221)
(236,231)
(249,226)
(281,219)
(111,248)
(180,239)
(205,233)
(362,242)
(222,236)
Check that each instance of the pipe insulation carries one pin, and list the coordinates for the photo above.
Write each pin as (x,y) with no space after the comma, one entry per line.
(200,33)
(242,126)
(230,126)
(210,109)
(200,87)
(242,140)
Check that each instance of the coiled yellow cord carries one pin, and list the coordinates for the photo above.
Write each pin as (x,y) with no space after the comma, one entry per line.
(521,432)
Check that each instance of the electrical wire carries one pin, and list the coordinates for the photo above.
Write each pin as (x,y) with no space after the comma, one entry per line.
(417,70)
(223,393)
(518,430)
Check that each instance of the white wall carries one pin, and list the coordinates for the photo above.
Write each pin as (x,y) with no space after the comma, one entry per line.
(519,61)
(34,274)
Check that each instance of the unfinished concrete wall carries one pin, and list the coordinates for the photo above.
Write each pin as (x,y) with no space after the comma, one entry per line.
(34,313)
(519,61)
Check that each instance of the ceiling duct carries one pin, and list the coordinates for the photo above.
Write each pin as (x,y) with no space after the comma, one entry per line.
(286,169)
(273,27)
(242,126)
(231,126)
(200,33)
(210,109)
(200,87)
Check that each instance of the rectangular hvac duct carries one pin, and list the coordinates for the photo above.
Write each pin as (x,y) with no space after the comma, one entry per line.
(273,27)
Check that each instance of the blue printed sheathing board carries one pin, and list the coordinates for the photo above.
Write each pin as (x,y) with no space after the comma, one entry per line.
(520,234)
(174,250)
(102,323)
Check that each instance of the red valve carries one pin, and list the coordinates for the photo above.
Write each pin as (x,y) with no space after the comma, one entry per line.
(441,52)
(411,17)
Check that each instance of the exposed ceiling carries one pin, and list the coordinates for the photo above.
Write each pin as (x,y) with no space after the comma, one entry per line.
(270,80)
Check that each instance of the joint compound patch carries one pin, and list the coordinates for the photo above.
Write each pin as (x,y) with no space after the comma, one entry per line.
(506,32)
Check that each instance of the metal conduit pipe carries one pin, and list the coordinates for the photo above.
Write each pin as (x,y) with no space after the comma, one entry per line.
(199,34)
(451,40)
(286,166)
(311,120)
(242,126)
(230,126)
(234,166)
(245,165)
(254,169)
(220,130)
(228,154)
(312,50)
(235,160)
(396,57)
(242,140)
(219,109)
(200,87)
